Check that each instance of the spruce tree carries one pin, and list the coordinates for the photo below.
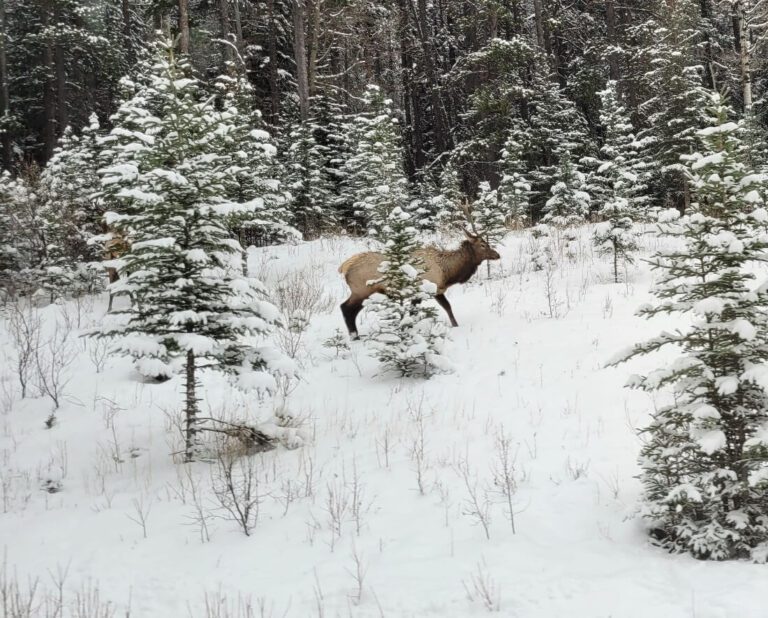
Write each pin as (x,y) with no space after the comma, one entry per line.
(488,216)
(10,256)
(22,241)
(677,104)
(704,459)
(569,203)
(375,179)
(515,188)
(557,136)
(259,200)
(615,234)
(71,214)
(619,183)
(313,198)
(621,172)
(447,196)
(408,336)
(189,302)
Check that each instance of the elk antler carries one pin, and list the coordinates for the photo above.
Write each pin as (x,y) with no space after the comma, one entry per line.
(467,210)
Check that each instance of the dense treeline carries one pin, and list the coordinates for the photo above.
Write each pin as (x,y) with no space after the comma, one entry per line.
(463,75)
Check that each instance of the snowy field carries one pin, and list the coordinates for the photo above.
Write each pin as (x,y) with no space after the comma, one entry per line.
(394,504)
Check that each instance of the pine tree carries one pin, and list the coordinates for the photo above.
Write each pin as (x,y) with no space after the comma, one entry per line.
(254,183)
(445,197)
(515,188)
(189,302)
(311,189)
(676,109)
(71,215)
(569,204)
(619,180)
(10,256)
(558,136)
(488,217)
(703,463)
(22,242)
(621,172)
(615,234)
(755,137)
(375,178)
(408,337)
(330,120)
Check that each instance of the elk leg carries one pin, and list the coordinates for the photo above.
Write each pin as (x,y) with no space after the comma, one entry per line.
(349,311)
(112,276)
(443,302)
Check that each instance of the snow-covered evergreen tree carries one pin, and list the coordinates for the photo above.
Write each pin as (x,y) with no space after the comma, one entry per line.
(444,197)
(489,214)
(331,119)
(375,178)
(408,336)
(515,187)
(619,181)
(189,302)
(677,104)
(261,213)
(755,135)
(615,234)
(313,197)
(621,171)
(10,258)
(557,134)
(704,460)
(71,215)
(569,203)
(22,242)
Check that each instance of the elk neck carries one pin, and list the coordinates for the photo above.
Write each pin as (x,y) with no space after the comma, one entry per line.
(460,265)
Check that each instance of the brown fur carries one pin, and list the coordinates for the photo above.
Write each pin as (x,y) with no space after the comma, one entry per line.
(114,248)
(441,267)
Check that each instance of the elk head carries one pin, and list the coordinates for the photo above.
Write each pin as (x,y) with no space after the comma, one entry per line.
(481,248)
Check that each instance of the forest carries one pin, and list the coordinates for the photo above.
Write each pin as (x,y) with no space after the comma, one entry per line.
(382,308)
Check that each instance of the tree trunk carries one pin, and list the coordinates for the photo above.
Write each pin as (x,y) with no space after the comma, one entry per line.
(430,54)
(710,79)
(238,25)
(49,87)
(413,132)
(228,54)
(191,401)
(300,57)
(313,10)
(130,56)
(610,23)
(539,19)
(184,26)
(273,91)
(62,104)
(744,47)
(5,103)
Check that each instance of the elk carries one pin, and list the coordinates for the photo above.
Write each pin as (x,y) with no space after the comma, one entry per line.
(114,248)
(443,268)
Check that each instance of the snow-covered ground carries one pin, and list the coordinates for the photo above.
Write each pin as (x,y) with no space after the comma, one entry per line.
(384,483)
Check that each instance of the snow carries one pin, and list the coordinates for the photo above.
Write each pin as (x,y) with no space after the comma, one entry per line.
(140,196)
(157,243)
(725,128)
(579,549)
(712,441)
